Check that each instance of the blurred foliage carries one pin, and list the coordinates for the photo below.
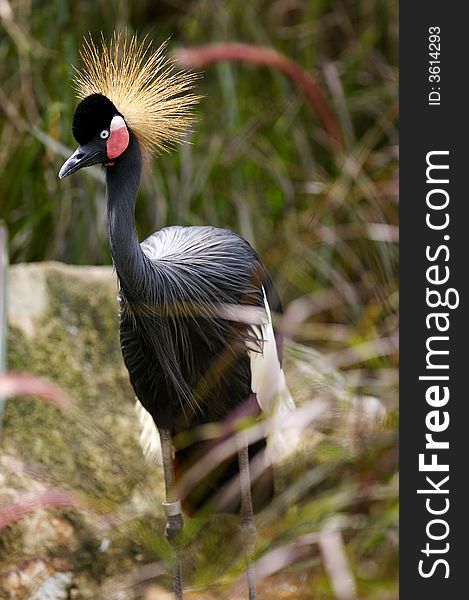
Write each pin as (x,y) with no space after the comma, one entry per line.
(325,222)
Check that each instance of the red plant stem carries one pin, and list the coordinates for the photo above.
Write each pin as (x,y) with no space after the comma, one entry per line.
(29,503)
(201,56)
(21,384)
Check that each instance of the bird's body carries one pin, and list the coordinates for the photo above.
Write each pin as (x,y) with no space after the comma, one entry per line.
(188,361)
(195,303)
(197,369)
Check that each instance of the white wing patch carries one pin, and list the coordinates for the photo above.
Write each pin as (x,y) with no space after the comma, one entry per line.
(267,382)
(269,385)
(149,437)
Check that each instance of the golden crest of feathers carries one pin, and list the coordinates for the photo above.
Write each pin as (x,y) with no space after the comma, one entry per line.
(143,85)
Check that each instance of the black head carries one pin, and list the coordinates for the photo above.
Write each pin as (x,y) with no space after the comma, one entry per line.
(91,116)
(100,130)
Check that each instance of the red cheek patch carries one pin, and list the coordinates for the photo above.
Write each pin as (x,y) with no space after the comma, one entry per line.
(118,139)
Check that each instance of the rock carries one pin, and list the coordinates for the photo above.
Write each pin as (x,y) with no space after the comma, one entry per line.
(35,579)
(63,325)
(55,587)
(27,296)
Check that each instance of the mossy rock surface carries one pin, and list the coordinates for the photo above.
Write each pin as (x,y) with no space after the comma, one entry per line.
(63,326)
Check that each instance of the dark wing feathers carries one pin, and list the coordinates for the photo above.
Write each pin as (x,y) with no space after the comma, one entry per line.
(185,348)
(194,274)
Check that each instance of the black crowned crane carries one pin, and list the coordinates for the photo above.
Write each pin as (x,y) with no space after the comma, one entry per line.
(195,302)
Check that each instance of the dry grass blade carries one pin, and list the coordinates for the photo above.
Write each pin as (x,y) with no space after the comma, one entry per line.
(336,563)
(292,427)
(124,585)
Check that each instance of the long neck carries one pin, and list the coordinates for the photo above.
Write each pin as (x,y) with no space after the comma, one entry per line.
(123,179)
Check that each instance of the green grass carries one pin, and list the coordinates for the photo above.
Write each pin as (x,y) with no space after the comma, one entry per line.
(324,221)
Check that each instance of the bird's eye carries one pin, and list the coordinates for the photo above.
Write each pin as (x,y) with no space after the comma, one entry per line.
(104,134)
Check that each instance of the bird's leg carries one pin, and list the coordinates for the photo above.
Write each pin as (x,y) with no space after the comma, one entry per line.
(247,525)
(172,507)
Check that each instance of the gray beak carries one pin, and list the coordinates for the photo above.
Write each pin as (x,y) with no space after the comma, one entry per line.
(84,156)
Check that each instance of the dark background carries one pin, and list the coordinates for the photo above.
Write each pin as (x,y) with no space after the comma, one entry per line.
(424,129)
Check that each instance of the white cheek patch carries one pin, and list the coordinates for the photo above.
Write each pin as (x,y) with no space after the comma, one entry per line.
(118,139)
